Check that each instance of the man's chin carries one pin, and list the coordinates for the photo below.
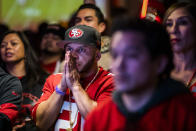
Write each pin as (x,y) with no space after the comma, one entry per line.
(125,88)
(78,68)
(82,69)
(128,91)
(50,52)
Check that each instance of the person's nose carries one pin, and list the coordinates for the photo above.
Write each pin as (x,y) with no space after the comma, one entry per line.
(74,54)
(8,46)
(174,28)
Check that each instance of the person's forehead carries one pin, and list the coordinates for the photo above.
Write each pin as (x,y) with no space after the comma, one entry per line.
(127,37)
(86,12)
(128,42)
(51,34)
(77,45)
(179,12)
(12,36)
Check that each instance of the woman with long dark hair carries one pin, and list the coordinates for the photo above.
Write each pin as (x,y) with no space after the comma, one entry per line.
(180,22)
(19,59)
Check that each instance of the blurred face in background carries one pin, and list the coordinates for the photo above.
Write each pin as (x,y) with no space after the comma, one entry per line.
(48,43)
(181,28)
(88,17)
(131,62)
(12,49)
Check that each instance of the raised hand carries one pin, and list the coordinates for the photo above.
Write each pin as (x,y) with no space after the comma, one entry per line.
(72,76)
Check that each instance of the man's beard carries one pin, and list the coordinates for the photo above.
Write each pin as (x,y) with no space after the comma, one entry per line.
(88,65)
(50,53)
(47,51)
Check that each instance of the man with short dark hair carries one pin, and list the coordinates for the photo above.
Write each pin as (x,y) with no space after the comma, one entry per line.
(146,98)
(68,97)
(90,15)
(51,54)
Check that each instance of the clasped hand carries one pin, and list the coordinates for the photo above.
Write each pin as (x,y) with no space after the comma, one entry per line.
(71,75)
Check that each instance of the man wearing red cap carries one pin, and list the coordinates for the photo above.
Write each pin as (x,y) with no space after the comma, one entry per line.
(68,97)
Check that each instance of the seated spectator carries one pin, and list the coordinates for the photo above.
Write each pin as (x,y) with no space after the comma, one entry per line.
(68,97)
(19,59)
(146,98)
(10,100)
(51,54)
(180,22)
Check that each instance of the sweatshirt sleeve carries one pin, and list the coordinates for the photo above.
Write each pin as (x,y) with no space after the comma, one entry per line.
(10,100)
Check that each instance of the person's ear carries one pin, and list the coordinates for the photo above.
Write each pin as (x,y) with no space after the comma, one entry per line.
(101,27)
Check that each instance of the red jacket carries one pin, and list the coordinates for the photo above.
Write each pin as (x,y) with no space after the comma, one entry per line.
(172,108)
(100,91)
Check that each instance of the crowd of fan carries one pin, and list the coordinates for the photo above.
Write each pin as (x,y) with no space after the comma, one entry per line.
(141,76)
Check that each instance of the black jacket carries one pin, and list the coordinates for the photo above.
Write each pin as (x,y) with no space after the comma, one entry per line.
(10,99)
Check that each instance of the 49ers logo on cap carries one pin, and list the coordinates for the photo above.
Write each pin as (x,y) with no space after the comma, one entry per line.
(75,33)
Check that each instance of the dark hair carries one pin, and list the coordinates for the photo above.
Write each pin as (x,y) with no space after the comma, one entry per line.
(189,7)
(156,38)
(32,69)
(191,10)
(98,12)
(3,28)
(56,29)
